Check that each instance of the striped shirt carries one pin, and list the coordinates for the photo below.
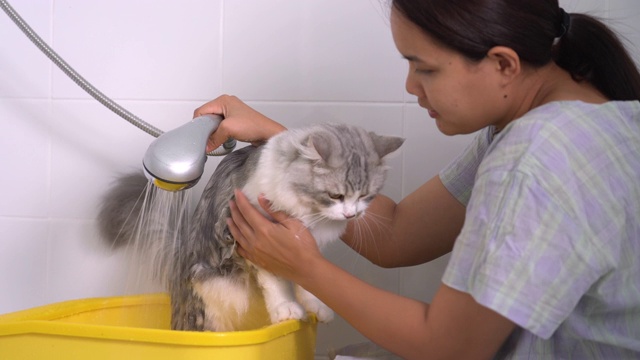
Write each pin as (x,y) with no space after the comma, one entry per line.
(551,238)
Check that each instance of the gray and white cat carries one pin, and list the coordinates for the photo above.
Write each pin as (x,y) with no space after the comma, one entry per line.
(323,175)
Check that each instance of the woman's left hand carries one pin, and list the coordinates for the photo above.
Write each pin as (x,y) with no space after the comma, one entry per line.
(283,247)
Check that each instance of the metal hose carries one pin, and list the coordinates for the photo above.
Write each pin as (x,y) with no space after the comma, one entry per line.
(86,86)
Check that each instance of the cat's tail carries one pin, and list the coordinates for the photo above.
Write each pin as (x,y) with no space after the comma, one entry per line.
(136,214)
(120,209)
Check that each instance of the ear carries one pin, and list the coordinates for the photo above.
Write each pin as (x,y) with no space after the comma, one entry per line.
(507,62)
(385,145)
(318,148)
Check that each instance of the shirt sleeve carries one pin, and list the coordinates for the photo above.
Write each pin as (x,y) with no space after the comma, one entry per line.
(458,177)
(523,253)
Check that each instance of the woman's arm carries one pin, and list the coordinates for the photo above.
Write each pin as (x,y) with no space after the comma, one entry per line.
(422,227)
(453,327)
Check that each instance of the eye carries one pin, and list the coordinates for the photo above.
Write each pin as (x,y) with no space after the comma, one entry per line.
(336,196)
(424,71)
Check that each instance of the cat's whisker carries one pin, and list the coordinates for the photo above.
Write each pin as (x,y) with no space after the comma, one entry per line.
(366,224)
(310,220)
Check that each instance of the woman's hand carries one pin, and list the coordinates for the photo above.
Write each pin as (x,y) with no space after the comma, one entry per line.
(284,247)
(241,122)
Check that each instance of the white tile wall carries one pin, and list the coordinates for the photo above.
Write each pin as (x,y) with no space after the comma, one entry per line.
(24,72)
(298,61)
(624,16)
(143,49)
(25,148)
(321,46)
(23,269)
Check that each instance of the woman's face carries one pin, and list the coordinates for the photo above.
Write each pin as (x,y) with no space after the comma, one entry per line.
(462,96)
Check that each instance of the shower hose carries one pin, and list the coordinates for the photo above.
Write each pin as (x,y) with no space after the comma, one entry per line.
(84,84)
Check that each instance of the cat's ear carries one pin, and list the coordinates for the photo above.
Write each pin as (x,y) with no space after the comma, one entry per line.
(385,145)
(319,147)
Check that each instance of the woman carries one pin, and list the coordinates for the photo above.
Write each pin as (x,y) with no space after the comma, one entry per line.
(540,212)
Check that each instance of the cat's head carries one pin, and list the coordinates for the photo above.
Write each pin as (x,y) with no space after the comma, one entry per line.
(342,169)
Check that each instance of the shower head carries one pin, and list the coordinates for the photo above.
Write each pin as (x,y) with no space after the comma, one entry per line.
(175,160)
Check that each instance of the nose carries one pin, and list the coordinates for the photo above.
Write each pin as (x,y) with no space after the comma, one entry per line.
(412,85)
(348,215)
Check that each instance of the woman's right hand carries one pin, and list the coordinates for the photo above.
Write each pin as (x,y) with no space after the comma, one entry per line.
(241,122)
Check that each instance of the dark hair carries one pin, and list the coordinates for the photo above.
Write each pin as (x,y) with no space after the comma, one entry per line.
(588,50)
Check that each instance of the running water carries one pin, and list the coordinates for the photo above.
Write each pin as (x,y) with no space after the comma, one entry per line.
(154,241)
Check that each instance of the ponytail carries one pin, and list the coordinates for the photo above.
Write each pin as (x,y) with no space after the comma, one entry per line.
(592,52)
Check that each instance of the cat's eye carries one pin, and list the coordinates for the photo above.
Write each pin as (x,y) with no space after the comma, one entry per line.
(367,198)
(336,196)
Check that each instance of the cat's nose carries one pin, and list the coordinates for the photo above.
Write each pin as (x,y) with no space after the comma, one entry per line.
(349,215)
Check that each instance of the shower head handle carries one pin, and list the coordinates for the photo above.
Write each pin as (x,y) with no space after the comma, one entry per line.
(175,160)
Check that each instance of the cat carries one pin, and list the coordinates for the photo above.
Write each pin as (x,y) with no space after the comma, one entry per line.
(324,175)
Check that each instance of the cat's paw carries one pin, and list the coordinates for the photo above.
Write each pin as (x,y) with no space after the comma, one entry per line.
(323,313)
(286,311)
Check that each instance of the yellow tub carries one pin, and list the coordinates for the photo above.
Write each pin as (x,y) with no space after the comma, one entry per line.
(138,327)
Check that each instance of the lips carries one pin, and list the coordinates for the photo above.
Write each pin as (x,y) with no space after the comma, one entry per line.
(434,114)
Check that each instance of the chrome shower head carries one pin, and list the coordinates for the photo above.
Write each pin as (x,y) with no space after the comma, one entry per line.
(175,160)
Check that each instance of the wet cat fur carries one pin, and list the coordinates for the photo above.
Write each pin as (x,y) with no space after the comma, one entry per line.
(323,175)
